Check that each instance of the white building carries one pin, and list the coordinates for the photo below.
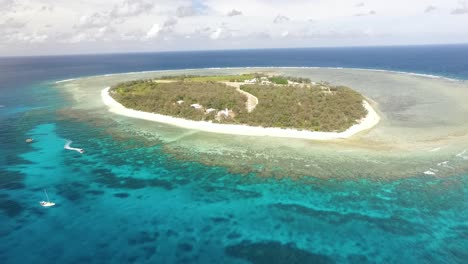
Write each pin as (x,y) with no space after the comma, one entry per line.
(224,113)
(180,101)
(196,106)
(254,80)
(209,110)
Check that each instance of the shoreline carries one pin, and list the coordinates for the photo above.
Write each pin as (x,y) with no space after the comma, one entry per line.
(371,119)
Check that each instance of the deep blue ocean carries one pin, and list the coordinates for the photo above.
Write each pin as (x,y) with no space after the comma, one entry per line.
(129,202)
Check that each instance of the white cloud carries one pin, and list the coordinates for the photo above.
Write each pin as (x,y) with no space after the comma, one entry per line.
(170,22)
(429,9)
(7,5)
(462,9)
(216,34)
(77,38)
(131,8)
(370,13)
(190,24)
(280,19)
(37,38)
(153,32)
(11,23)
(234,12)
(186,11)
(93,20)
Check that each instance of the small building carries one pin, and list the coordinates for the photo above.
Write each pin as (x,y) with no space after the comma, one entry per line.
(196,106)
(224,113)
(209,110)
(180,101)
(254,80)
(266,82)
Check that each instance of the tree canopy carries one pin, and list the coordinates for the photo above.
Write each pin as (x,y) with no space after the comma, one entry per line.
(315,107)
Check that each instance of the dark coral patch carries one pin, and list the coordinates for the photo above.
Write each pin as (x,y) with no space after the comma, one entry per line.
(143,238)
(121,195)
(109,179)
(393,224)
(71,191)
(149,251)
(186,247)
(170,233)
(11,180)
(233,235)
(10,207)
(272,252)
(219,219)
(95,192)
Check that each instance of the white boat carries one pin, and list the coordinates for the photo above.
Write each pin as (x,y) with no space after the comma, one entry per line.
(47,203)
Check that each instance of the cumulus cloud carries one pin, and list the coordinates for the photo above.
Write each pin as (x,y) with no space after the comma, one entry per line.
(77,38)
(429,9)
(6,5)
(153,32)
(36,38)
(234,12)
(170,22)
(92,21)
(11,23)
(131,8)
(45,8)
(186,11)
(216,34)
(462,9)
(280,19)
(370,13)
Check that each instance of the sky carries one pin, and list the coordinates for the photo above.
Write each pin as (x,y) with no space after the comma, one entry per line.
(50,27)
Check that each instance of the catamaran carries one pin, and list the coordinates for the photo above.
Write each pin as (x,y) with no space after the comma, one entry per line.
(48,203)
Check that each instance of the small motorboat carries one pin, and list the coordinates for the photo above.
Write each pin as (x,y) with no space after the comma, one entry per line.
(67,146)
(29,140)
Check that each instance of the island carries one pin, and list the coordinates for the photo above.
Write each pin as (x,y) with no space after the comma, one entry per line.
(255,104)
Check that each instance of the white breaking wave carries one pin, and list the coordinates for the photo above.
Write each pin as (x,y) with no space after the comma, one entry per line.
(434,149)
(67,146)
(67,80)
(461,155)
(277,67)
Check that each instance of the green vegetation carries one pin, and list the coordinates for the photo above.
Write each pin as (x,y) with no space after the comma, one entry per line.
(320,107)
(215,78)
(310,108)
(278,80)
(161,98)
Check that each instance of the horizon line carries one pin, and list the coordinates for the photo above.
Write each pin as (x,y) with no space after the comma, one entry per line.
(221,50)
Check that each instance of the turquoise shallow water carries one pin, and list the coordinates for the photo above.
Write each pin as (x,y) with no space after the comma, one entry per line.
(127,200)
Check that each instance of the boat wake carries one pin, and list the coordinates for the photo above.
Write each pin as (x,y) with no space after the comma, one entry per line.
(67,146)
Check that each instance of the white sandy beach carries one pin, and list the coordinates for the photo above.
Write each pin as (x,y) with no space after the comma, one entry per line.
(366,123)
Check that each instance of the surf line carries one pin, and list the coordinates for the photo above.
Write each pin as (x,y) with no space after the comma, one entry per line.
(67,146)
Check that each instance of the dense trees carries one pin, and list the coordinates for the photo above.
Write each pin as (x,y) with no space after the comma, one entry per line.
(309,107)
(319,107)
(162,98)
